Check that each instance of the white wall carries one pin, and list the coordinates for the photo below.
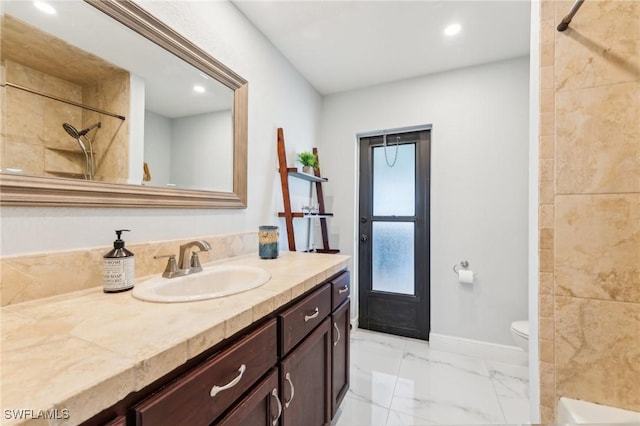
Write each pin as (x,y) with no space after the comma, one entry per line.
(278,97)
(157,147)
(479,184)
(201,155)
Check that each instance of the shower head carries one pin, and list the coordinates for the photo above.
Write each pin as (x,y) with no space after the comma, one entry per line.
(71,130)
(74,133)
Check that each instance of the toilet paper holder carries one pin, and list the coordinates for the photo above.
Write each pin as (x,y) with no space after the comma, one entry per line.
(463,263)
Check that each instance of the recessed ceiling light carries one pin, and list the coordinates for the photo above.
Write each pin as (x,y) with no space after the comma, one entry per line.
(452,29)
(44,7)
(199,89)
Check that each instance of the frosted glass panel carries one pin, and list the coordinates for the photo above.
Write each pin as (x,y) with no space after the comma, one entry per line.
(394,187)
(392,257)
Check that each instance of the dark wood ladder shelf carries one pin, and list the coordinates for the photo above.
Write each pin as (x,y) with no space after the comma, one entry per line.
(288,214)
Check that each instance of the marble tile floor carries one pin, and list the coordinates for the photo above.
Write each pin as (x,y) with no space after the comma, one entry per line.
(398,381)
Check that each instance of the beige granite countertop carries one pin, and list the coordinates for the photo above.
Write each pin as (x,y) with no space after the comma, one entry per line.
(85,351)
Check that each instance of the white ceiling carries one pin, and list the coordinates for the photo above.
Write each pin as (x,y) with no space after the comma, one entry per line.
(343,45)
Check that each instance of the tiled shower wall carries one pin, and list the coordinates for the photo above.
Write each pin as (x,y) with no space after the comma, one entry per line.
(589,212)
(32,135)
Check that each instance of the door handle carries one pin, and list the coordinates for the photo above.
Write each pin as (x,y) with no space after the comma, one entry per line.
(363,219)
(338,332)
(364,238)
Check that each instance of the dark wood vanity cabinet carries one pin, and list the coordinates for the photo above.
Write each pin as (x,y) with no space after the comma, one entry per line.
(340,331)
(292,369)
(340,327)
(200,396)
(261,407)
(305,380)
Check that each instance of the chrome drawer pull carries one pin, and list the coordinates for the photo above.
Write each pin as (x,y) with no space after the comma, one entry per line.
(338,331)
(293,391)
(217,389)
(315,314)
(274,393)
(343,289)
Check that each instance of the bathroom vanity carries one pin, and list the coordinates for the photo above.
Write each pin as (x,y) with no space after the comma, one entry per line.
(275,355)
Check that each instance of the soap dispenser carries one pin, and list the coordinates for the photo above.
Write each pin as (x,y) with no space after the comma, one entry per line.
(119,267)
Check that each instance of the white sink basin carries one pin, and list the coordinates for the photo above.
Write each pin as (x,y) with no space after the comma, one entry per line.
(212,282)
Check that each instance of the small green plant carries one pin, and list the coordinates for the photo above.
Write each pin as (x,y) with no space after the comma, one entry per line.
(308,159)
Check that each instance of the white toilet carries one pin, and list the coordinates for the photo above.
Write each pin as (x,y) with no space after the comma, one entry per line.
(520,332)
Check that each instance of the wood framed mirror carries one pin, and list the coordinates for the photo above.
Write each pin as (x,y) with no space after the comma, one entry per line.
(26,189)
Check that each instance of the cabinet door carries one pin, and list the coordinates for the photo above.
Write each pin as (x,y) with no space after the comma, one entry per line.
(339,355)
(261,407)
(305,380)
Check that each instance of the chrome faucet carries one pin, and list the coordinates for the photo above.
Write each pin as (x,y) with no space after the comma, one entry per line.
(186,264)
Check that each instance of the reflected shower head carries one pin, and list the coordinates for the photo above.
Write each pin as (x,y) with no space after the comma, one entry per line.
(74,133)
(71,130)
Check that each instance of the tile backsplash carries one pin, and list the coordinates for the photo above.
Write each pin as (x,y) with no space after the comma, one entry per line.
(28,277)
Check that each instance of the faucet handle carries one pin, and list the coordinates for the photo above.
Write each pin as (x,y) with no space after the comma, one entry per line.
(172,266)
(195,262)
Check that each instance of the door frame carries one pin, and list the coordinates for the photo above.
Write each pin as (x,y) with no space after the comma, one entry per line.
(426,242)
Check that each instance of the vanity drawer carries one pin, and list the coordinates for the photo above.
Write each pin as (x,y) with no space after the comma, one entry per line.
(228,374)
(341,288)
(299,320)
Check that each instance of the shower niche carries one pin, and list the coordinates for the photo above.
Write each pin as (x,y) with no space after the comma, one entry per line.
(44,92)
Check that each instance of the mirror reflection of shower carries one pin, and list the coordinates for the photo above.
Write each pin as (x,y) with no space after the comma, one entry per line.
(89,164)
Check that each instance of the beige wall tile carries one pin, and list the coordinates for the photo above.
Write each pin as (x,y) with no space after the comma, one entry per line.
(55,115)
(546,350)
(546,192)
(601,45)
(546,169)
(547,146)
(111,140)
(547,100)
(547,384)
(546,78)
(547,124)
(63,162)
(603,120)
(24,116)
(597,246)
(547,415)
(546,305)
(546,282)
(25,156)
(546,328)
(546,52)
(597,351)
(546,238)
(23,76)
(546,216)
(547,10)
(546,260)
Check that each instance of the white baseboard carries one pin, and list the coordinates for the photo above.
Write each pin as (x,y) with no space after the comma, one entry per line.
(478,349)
